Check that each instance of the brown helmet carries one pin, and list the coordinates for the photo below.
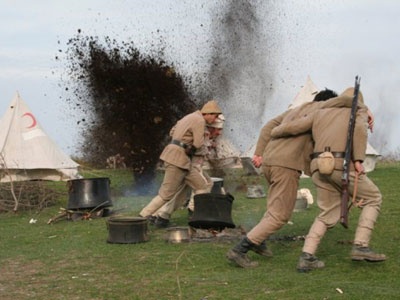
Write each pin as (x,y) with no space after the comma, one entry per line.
(350,92)
(211,107)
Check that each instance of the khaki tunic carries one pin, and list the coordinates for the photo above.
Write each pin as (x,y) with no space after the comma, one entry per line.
(329,129)
(293,151)
(179,170)
(283,161)
(180,198)
(189,130)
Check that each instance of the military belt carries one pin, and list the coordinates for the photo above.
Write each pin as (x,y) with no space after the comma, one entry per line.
(179,143)
(335,154)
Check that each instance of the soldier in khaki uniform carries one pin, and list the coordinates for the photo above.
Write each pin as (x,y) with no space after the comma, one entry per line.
(282,161)
(162,216)
(187,138)
(329,129)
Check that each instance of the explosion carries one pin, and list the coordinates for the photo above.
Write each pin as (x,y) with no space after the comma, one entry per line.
(130,100)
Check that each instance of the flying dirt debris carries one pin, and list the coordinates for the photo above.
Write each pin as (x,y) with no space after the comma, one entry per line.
(130,102)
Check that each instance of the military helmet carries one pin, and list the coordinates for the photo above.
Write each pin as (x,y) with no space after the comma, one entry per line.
(211,107)
(218,123)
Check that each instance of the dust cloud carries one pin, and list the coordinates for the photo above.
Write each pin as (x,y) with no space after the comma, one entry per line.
(242,66)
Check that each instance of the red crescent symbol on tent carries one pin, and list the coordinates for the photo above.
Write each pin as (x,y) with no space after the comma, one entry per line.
(33,119)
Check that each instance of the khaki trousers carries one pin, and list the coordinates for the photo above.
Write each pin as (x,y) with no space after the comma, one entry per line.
(182,196)
(329,189)
(174,182)
(282,193)
(175,203)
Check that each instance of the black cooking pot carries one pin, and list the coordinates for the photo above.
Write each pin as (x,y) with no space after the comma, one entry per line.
(127,230)
(212,211)
(89,193)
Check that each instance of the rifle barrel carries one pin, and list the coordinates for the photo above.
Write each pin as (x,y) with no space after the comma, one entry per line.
(347,157)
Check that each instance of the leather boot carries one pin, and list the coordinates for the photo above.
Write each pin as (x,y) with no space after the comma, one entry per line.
(161,222)
(152,207)
(365,253)
(190,214)
(238,254)
(261,249)
(308,262)
(151,219)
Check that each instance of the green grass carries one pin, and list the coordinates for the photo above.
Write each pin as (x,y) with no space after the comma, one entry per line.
(72,260)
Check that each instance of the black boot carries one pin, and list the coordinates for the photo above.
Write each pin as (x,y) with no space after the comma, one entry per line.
(190,214)
(308,262)
(161,222)
(238,254)
(261,249)
(365,253)
(151,219)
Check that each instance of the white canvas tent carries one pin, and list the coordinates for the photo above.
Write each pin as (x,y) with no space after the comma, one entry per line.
(306,94)
(26,152)
(371,158)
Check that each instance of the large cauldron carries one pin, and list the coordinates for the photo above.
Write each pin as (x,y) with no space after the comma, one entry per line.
(127,230)
(89,193)
(212,211)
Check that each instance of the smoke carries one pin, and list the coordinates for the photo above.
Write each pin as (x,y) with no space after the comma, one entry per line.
(241,69)
(254,50)
(385,136)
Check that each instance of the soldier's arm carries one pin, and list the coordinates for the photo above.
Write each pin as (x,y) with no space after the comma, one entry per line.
(171,132)
(360,136)
(198,134)
(340,101)
(265,134)
(295,127)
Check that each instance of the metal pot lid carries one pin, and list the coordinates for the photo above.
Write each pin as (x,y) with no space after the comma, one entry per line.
(177,228)
(126,219)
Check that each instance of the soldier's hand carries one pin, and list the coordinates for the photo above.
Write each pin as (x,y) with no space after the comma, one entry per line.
(358,166)
(257,161)
(370,121)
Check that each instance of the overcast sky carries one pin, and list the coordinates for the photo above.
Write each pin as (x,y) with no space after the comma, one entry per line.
(330,40)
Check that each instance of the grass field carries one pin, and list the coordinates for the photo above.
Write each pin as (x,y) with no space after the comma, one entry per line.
(72,260)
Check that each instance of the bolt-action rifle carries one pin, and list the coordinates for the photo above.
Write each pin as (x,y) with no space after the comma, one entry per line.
(344,209)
